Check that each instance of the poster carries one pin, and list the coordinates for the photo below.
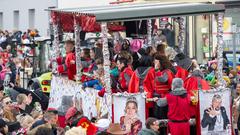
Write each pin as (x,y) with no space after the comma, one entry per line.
(122,108)
(66,93)
(215,112)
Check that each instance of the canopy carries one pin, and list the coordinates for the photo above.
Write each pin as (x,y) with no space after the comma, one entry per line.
(141,11)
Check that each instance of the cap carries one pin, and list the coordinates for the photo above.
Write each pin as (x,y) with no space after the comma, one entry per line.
(53,110)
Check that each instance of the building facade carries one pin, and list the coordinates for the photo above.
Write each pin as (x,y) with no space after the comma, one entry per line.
(27,14)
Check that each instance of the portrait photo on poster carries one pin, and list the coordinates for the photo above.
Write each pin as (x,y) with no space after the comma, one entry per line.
(215,112)
(129,108)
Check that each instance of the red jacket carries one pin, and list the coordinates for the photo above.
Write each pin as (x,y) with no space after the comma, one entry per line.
(181,73)
(147,85)
(124,78)
(62,67)
(71,68)
(191,84)
(178,107)
(162,88)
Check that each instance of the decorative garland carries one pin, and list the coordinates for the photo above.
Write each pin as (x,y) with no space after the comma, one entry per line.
(106,57)
(125,94)
(77,31)
(215,90)
(220,42)
(149,32)
(181,37)
(55,46)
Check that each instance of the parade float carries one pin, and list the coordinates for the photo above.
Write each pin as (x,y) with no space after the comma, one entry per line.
(64,91)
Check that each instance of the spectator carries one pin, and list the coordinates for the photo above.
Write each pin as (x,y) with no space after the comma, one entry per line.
(152,127)
(25,120)
(24,103)
(8,109)
(50,117)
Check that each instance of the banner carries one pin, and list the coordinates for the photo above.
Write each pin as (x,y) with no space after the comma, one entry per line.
(66,93)
(131,106)
(215,112)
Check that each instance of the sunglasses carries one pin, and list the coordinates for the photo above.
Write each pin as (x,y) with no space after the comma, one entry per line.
(9,102)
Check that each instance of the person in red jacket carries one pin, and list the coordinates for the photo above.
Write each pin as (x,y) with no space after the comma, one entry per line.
(192,84)
(142,80)
(62,67)
(164,74)
(125,73)
(179,103)
(71,65)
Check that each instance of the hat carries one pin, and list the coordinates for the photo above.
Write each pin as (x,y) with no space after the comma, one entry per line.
(103,124)
(183,61)
(70,113)
(116,129)
(52,110)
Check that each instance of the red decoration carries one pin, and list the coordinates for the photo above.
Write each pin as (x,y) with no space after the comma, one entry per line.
(86,124)
(87,22)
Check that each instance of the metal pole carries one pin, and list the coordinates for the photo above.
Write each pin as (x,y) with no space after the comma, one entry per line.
(181,37)
(234,27)
(220,42)
(77,31)
(149,32)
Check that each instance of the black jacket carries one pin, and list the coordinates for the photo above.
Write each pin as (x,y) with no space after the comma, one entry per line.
(210,122)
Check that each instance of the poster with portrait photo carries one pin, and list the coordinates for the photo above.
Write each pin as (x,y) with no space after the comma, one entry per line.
(124,106)
(215,116)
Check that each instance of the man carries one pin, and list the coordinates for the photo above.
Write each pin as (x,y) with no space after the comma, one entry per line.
(193,84)
(215,117)
(179,103)
(170,35)
(24,102)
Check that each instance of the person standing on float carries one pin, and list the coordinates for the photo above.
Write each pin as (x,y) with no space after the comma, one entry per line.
(179,103)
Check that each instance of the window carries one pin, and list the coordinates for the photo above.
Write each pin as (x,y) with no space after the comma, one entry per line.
(1,20)
(16,19)
(31,17)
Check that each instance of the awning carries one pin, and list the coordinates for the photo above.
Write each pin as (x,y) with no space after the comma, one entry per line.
(146,10)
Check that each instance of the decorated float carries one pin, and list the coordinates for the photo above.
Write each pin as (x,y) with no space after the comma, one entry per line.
(64,91)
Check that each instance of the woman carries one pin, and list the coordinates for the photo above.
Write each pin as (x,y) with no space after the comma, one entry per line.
(235,108)
(7,109)
(125,73)
(130,122)
(26,121)
(164,74)
(150,51)
(86,62)
(152,127)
